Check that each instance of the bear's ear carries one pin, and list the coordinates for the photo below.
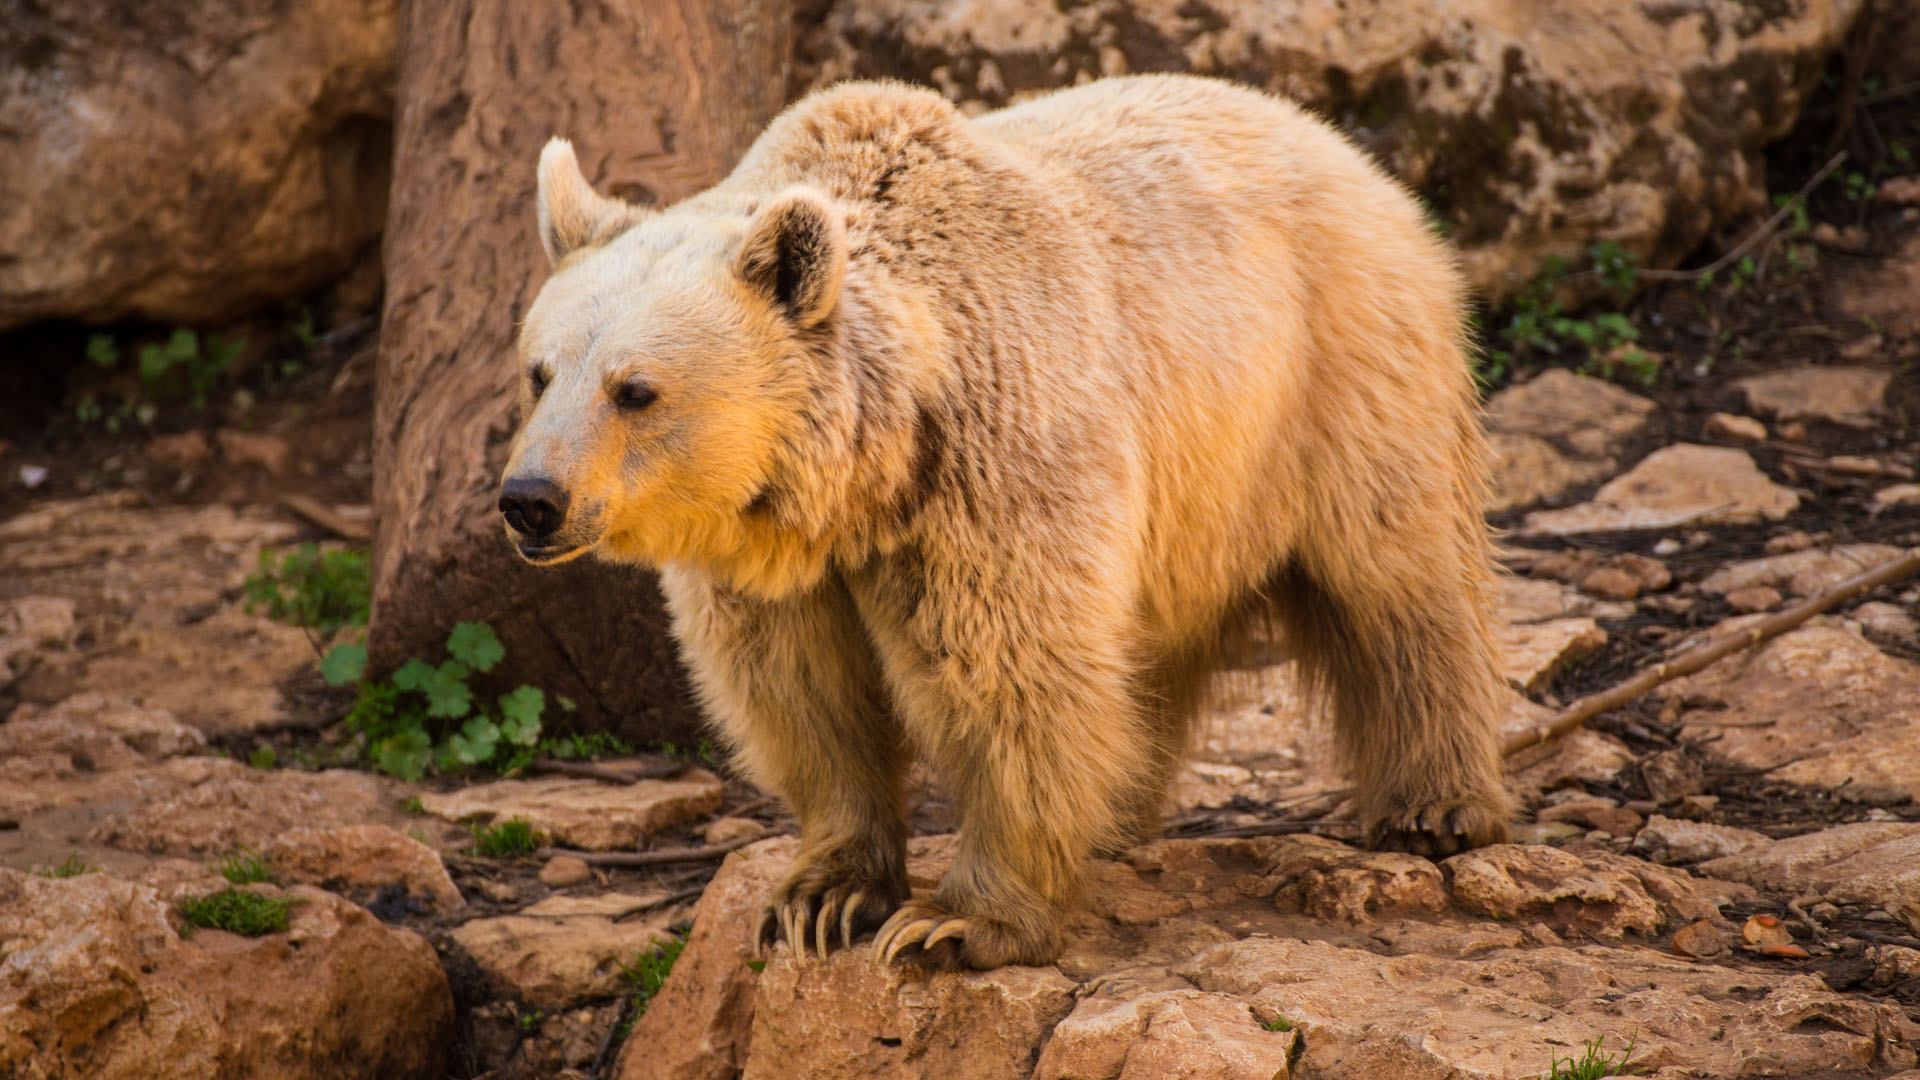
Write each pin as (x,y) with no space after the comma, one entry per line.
(572,214)
(795,254)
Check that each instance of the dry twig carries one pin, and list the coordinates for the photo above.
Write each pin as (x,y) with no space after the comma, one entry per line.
(1700,656)
(663,857)
(1765,230)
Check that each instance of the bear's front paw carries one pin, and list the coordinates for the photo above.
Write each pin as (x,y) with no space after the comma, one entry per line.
(939,938)
(814,901)
(1439,829)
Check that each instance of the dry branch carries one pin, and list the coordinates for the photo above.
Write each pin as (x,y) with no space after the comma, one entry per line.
(1704,654)
(663,857)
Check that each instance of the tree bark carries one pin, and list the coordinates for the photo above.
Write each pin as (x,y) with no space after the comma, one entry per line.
(661,97)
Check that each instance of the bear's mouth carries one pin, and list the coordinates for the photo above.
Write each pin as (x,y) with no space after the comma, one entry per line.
(552,553)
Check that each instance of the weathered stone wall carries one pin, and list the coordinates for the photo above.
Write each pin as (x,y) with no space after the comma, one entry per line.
(188,162)
(1534,128)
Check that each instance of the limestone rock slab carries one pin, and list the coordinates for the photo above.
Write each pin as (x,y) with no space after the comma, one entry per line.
(565,951)
(363,859)
(1854,396)
(1681,484)
(587,814)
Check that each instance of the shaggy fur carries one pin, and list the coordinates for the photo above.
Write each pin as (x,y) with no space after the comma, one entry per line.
(977,440)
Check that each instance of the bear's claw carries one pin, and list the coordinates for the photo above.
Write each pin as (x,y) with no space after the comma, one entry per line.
(791,918)
(918,924)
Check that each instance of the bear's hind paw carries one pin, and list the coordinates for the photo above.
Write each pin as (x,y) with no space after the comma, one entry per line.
(1441,829)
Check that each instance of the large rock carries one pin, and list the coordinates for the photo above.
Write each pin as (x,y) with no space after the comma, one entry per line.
(1818,705)
(97,981)
(186,162)
(1682,484)
(1874,863)
(1534,128)
(1263,958)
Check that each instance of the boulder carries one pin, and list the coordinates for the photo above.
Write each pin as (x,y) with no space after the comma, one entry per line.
(188,162)
(1682,484)
(1637,124)
(97,980)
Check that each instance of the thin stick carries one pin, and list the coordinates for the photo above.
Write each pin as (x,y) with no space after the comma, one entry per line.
(1759,234)
(326,517)
(1706,653)
(663,857)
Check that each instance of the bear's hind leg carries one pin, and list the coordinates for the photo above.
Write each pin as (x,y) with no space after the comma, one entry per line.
(1415,697)
(795,689)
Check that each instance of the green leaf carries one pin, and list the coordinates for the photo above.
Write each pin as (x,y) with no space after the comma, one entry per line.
(476,742)
(474,644)
(344,663)
(447,692)
(102,351)
(404,755)
(413,674)
(524,704)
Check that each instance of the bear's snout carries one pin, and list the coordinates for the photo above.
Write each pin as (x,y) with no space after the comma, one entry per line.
(534,506)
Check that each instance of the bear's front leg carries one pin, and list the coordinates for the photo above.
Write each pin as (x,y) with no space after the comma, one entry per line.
(796,692)
(1019,693)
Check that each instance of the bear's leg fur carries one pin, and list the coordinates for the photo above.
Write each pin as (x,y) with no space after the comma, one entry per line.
(1035,732)
(1407,669)
(795,689)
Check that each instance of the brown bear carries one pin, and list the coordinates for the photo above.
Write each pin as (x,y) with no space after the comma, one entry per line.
(979,439)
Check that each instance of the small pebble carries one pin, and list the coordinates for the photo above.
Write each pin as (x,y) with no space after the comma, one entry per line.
(1700,940)
(1754,598)
(1737,428)
(726,830)
(563,871)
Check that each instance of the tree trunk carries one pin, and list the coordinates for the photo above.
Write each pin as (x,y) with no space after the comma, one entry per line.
(661,97)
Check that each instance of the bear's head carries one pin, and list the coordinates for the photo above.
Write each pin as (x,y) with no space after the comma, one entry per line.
(666,367)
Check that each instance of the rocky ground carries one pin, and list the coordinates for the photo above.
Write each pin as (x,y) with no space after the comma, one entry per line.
(1724,875)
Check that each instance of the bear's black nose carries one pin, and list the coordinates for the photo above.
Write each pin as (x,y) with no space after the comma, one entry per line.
(533,505)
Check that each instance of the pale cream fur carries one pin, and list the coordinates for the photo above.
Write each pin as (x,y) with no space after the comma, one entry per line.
(979,439)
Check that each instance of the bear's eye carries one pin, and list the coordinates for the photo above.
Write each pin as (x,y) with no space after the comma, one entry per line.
(537,380)
(634,395)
